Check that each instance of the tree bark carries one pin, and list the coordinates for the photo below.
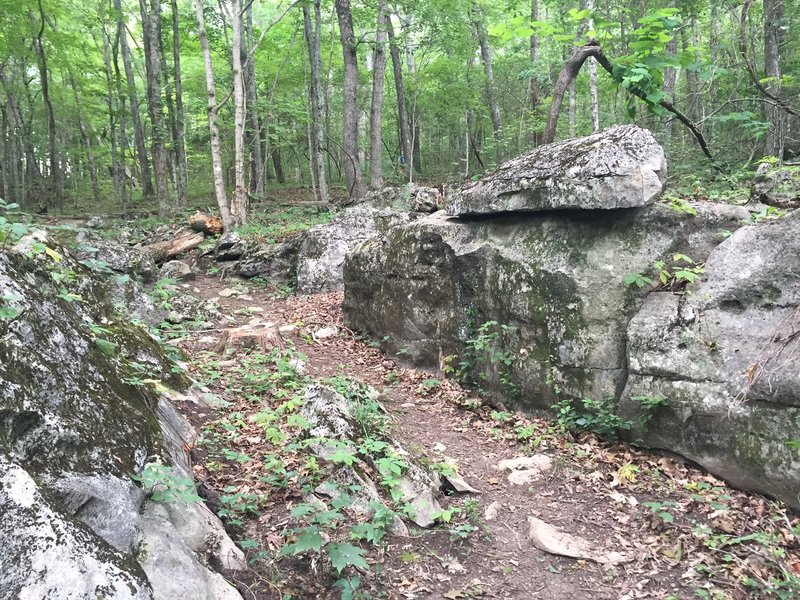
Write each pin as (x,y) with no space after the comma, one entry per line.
(151,28)
(415,161)
(313,39)
(138,131)
(180,117)
(376,110)
(116,171)
(161,251)
(773,21)
(349,151)
(21,140)
(253,139)
(56,180)
(397,70)
(240,199)
(121,172)
(213,109)
(570,70)
(172,158)
(593,100)
(488,68)
(86,139)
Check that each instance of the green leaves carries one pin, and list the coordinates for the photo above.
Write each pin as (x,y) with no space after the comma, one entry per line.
(106,347)
(345,555)
(310,540)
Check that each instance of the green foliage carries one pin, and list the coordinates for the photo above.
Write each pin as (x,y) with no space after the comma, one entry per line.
(486,363)
(161,483)
(676,277)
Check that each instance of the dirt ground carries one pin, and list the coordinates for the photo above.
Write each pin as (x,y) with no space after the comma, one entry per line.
(677,527)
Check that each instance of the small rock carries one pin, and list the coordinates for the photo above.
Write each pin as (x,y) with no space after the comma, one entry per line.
(229,247)
(326,332)
(298,365)
(491,511)
(540,462)
(228,292)
(549,539)
(284,329)
(178,270)
(524,476)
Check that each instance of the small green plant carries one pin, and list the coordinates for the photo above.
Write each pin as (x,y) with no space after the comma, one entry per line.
(674,278)
(486,363)
(161,483)
(661,509)
(591,415)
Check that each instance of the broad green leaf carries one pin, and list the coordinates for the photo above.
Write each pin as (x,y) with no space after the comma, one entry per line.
(345,555)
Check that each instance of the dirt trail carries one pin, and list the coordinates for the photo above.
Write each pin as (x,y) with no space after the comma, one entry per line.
(594,489)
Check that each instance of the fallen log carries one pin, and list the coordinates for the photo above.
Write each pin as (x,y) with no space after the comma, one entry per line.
(161,251)
(204,223)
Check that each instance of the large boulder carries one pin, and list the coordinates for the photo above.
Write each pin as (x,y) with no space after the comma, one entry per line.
(727,359)
(276,263)
(117,257)
(429,286)
(324,247)
(78,421)
(620,167)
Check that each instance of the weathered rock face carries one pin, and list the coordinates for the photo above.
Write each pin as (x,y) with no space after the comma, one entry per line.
(75,425)
(777,186)
(558,279)
(276,263)
(727,358)
(324,248)
(118,257)
(620,167)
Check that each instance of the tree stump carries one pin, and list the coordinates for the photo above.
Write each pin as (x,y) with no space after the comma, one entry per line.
(263,335)
(204,223)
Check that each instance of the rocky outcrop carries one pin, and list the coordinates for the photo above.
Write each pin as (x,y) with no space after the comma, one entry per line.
(556,280)
(777,186)
(77,422)
(727,359)
(324,247)
(620,167)
(276,263)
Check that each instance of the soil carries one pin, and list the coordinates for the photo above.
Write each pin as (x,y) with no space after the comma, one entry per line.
(596,490)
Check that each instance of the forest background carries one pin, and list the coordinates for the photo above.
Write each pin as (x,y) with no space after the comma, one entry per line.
(162,105)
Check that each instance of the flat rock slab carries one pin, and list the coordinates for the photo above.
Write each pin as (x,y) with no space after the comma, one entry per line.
(619,167)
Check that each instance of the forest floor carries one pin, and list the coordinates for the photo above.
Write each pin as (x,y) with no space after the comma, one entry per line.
(681,533)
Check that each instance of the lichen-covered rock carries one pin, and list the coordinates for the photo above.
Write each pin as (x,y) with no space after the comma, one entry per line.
(177,270)
(118,258)
(76,418)
(620,167)
(324,248)
(428,287)
(777,186)
(276,263)
(230,246)
(46,555)
(727,361)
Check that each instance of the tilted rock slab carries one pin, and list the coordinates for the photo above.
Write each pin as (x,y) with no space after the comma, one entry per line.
(620,167)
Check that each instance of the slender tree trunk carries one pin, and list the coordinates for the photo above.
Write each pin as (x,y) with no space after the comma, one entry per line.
(486,57)
(593,100)
(6,169)
(182,178)
(121,172)
(172,158)
(116,171)
(415,160)
(213,109)
(670,81)
(240,200)
(22,140)
(313,39)
(252,138)
(56,180)
(773,21)
(86,139)
(376,111)
(151,27)
(397,70)
(133,98)
(350,166)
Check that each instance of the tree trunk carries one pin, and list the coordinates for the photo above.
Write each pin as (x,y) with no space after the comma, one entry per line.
(111,107)
(213,109)
(121,172)
(86,140)
(172,158)
(415,164)
(486,57)
(773,21)
(133,98)
(151,28)
(56,180)
(397,69)
(252,139)
(21,140)
(376,110)
(240,200)
(670,81)
(350,166)
(593,100)
(313,39)
(180,118)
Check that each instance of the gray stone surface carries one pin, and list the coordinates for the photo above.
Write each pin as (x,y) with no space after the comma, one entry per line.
(620,167)
(230,246)
(118,257)
(276,263)
(46,555)
(324,248)
(559,279)
(777,186)
(727,358)
(177,270)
